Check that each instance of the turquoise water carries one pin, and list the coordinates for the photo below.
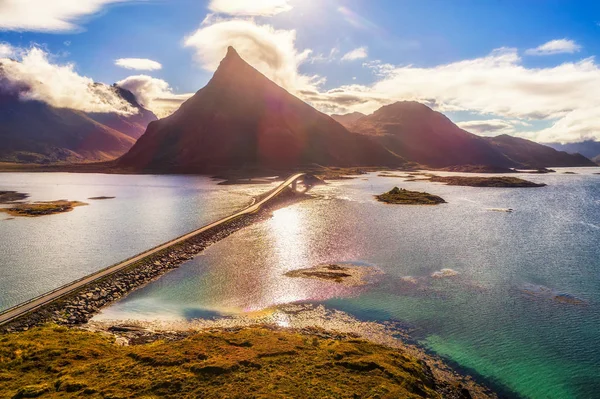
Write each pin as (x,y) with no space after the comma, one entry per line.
(494,313)
(40,254)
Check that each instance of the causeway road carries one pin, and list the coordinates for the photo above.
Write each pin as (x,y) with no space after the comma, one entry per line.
(44,299)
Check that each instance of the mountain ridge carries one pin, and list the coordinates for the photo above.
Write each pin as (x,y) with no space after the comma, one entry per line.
(33,131)
(420,134)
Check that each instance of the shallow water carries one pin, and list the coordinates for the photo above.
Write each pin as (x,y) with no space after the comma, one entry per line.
(493,312)
(40,254)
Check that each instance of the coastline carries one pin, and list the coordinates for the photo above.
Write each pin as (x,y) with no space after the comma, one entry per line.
(77,308)
(303,362)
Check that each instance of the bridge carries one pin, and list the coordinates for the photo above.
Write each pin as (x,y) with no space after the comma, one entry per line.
(24,308)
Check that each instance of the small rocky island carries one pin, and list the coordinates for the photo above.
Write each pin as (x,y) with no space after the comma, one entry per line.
(102,197)
(348,275)
(476,181)
(44,208)
(406,197)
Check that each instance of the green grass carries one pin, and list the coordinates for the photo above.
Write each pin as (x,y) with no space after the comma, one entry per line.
(54,361)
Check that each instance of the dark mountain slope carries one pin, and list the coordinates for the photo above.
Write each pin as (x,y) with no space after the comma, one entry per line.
(242,119)
(417,133)
(534,155)
(589,148)
(35,132)
(347,120)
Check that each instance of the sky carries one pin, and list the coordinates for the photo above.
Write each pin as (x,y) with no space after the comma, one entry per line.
(525,68)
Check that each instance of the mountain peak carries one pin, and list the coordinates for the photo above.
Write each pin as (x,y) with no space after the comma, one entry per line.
(232,65)
(231,52)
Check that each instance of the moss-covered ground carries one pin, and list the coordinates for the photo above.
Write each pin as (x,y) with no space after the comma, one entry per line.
(257,362)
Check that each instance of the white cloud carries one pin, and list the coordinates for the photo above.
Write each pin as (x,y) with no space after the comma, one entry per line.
(496,86)
(552,47)
(154,94)
(6,50)
(249,7)
(322,58)
(47,15)
(269,50)
(142,64)
(356,54)
(34,77)
(489,127)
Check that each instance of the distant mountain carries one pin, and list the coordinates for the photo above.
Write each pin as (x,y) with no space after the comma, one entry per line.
(347,120)
(419,134)
(531,154)
(596,159)
(589,148)
(242,119)
(35,132)
(132,125)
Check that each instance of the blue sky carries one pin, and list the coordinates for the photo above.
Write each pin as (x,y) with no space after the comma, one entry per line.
(402,50)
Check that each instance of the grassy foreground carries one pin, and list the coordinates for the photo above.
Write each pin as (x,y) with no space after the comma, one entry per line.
(54,361)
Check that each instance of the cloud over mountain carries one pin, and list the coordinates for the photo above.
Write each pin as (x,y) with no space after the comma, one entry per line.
(35,77)
(271,51)
(154,94)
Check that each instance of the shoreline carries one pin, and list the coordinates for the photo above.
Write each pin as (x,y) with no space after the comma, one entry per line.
(76,310)
(281,360)
(78,307)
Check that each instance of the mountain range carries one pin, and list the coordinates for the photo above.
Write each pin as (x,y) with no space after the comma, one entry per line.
(35,132)
(588,148)
(420,134)
(243,120)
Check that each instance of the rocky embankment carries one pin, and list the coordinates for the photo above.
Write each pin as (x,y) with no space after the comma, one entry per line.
(79,307)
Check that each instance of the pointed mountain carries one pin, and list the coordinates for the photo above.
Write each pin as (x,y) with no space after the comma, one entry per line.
(242,119)
(534,155)
(347,120)
(417,133)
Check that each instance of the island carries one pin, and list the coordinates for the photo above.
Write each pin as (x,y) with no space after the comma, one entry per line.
(494,181)
(406,197)
(477,169)
(102,197)
(42,208)
(348,275)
